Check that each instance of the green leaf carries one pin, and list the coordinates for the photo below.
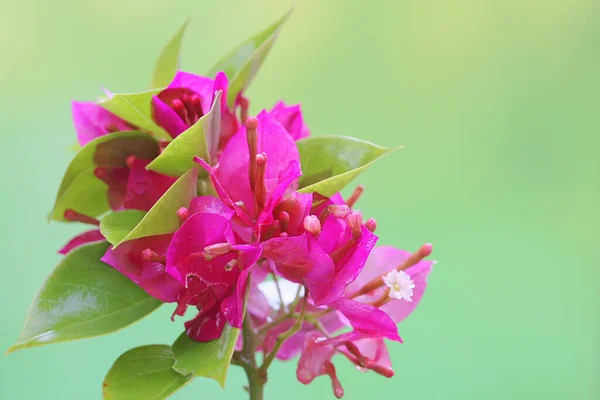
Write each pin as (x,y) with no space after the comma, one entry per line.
(117,225)
(143,373)
(242,64)
(329,163)
(178,156)
(136,108)
(208,359)
(80,189)
(82,298)
(168,61)
(162,217)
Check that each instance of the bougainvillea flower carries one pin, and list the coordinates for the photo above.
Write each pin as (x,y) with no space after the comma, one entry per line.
(370,287)
(189,97)
(133,186)
(325,259)
(81,239)
(290,117)
(143,261)
(144,187)
(317,354)
(204,258)
(374,350)
(258,166)
(239,172)
(316,360)
(92,121)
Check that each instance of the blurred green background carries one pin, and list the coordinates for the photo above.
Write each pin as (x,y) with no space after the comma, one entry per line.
(496,103)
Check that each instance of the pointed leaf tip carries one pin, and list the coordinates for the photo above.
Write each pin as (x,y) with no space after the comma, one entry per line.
(242,64)
(82,298)
(329,163)
(199,140)
(168,61)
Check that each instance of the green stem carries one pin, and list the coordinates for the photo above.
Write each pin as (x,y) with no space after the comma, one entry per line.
(282,338)
(257,376)
(247,360)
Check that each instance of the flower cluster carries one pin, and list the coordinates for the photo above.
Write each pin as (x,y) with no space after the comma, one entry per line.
(258,225)
(217,217)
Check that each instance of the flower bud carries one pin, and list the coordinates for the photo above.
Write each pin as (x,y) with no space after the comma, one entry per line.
(217,249)
(354,220)
(371,225)
(183,214)
(151,255)
(339,210)
(312,224)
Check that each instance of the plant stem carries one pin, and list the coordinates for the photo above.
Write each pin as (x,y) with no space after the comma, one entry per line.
(247,360)
(282,338)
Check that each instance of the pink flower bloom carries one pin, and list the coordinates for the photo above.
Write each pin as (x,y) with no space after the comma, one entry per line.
(204,258)
(316,360)
(187,98)
(133,186)
(92,121)
(144,187)
(143,261)
(369,306)
(259,165)
(325,261)
(81,239)
(244,180)
(290,117)
(382,260)
(317,354)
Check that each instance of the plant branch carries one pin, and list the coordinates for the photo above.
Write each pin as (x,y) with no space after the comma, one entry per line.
(246,358)
(279,294)
(282,338)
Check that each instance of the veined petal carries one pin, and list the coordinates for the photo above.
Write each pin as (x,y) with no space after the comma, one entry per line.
(233,168)
(233,306)
(92,121)
(144,187)
(290,117)
(150,276)
(167,118)
(367,320)
(210,204)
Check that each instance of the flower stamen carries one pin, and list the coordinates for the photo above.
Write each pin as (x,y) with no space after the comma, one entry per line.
(261,186)
(182,215)
(355,195)
(151,255)
(251,137)
(312,224)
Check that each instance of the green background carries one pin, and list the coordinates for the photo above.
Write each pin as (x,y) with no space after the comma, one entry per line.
(496,103)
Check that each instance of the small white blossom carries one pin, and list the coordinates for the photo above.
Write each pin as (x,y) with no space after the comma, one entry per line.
(400,284)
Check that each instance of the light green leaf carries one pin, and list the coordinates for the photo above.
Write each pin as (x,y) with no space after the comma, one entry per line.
(143,373)
(117,225)
(242,64)
(208,359)
(86,194)
(82,298)
(80,189)
(178,156)
(136,108)
(162,217)
(329,163)
(168,61)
